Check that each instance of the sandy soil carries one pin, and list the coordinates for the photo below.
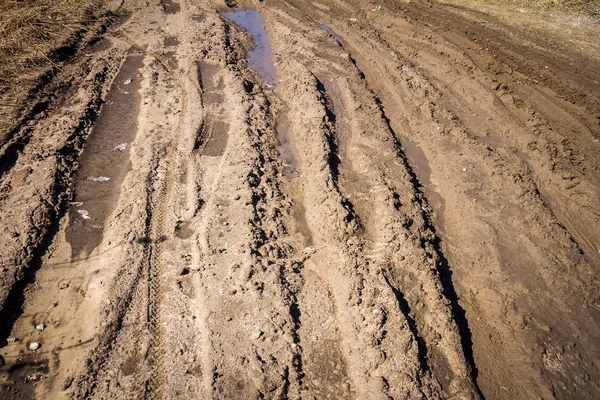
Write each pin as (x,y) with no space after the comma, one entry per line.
(346,199)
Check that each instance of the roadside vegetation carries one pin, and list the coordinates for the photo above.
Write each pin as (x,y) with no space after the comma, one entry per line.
(30,30)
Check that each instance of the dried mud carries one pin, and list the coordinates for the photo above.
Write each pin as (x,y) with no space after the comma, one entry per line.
(352,199)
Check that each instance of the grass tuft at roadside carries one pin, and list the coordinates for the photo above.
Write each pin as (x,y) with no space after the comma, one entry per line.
(30,32)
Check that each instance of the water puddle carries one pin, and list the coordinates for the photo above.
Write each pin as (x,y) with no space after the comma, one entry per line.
(211,82)
(336,37)
(261,56)
(288,159)
(214,131)
(292,186)
(183,229)
(105,160)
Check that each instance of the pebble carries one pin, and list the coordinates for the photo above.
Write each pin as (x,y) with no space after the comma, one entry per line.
(34,346)
(257,334)
(40,327)
(310,250)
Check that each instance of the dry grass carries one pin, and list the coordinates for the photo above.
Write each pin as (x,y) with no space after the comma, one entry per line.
(29,31)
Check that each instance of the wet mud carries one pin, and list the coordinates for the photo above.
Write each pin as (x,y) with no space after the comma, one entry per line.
(105,160)
(298,199)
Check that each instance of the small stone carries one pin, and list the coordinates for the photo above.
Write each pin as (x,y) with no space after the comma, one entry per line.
(310,250)
(34,346)
(257,334)
(40,327)
(34,377)
(12,340)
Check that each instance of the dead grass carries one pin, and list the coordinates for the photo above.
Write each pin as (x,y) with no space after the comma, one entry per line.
(29,31)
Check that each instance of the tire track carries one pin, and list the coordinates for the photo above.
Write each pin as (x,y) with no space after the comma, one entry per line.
(461,382)
(238,190)
(171,162)
(421,105)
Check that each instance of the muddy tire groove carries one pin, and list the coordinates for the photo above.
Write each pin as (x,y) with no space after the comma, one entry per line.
(55,206)
(444,273)
(158,227)
(153,250)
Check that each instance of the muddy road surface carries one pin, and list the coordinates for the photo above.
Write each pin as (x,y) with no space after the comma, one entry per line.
(307,199)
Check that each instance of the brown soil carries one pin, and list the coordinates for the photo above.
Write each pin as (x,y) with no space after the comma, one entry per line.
(411,211)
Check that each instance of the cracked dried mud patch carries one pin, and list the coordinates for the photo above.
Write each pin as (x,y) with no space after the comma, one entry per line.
(332,199)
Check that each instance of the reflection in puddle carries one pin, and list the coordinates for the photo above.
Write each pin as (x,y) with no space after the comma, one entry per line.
(336,37)
(261,56)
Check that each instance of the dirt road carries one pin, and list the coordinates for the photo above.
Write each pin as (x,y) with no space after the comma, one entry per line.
(307,199)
